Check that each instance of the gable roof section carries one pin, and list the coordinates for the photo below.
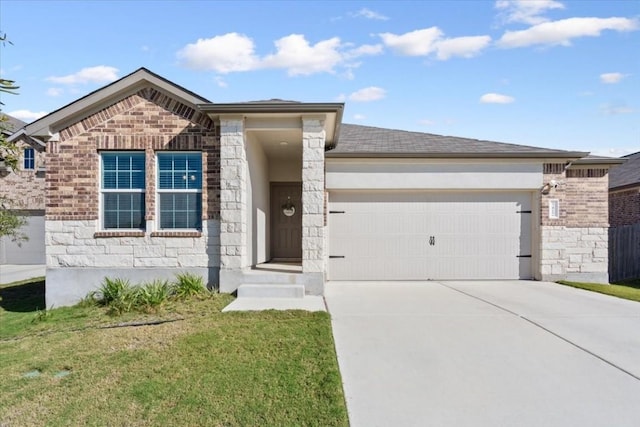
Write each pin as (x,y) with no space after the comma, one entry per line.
(367,141)
(11,124)
(50,124)
(626,175)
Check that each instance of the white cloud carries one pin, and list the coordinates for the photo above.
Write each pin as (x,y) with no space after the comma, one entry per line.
(611,78)
(563,31)
(220,81)
(369,14)
(414,43)
(613,152)
(224,54)
(54,91)
(364,50)
(26,115)
(294,53)
(359,117)
(526,11)
(496,98)
(616,108)
(465,47)
(341,98)
(426,122)
(367,94)
(235,52)
(98,74)
(431,40)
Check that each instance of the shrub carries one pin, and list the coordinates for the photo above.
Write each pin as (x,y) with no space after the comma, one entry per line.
(152,294)
(117,294)
(188,284)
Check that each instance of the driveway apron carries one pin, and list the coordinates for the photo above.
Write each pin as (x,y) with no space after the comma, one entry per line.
(485,354)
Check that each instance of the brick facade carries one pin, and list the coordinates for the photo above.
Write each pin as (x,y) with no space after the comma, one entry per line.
(147,120)
(582,193)
(575,246)
(78,251)
(25,188)
(624,207)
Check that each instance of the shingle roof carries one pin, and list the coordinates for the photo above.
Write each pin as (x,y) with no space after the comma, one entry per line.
(626,174)
(12,124)
(355,140)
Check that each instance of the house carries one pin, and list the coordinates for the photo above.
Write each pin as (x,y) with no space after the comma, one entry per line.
(146,179)
(624,192)
(624,218)
(23,190)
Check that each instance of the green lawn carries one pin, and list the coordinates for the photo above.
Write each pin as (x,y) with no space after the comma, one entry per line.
(628,289)
(67,367)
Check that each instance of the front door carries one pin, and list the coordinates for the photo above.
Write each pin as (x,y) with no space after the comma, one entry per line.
(286,221)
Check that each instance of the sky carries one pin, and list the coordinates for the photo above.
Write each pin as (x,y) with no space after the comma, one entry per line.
(548,73)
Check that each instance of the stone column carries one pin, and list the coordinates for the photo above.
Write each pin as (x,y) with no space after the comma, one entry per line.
(233,196)
(313,141)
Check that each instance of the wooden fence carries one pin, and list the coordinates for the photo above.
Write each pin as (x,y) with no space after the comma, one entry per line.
(624,252)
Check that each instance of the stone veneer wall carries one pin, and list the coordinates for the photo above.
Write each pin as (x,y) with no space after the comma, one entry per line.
(575,246)
(624,207)
(79,253)
(25,188)
(233,195)
(313,197)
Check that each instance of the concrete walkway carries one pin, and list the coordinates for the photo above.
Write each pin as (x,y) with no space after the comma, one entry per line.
(10,273)
(485,354)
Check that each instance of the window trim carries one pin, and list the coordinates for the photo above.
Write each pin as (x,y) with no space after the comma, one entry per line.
(101,214)
(31,158)
(160,191)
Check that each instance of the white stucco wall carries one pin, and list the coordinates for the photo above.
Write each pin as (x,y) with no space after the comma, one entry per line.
(258,191)
(285,170)
(432,174)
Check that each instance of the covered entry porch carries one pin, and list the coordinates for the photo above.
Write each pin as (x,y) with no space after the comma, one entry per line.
(272,192)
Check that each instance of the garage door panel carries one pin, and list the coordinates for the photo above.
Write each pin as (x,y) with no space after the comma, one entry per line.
(387,236)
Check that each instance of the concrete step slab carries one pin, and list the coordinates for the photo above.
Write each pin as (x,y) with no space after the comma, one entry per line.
(270,290)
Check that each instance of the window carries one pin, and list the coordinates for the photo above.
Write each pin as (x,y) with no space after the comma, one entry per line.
(554,209)
(29,158)
(123,184)
(180,190)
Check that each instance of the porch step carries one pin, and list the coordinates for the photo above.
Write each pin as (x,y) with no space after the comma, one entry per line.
(271,277)
(264,290)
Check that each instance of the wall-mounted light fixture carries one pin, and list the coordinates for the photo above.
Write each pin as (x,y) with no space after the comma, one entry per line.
(553,184)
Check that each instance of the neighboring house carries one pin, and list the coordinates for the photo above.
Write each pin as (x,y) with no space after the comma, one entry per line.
(624,192)
(624,218)
(23,190)
(146,179)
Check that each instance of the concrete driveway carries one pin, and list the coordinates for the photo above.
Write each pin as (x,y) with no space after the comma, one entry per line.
(10,273)
(503,353)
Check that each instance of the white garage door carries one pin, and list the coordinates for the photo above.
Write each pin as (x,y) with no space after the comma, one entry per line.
(409,235)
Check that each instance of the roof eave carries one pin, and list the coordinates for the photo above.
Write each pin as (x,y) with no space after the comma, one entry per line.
(267,107)
(611,161)
(626,187)
(247,108)
(569,155)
